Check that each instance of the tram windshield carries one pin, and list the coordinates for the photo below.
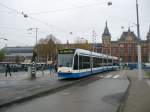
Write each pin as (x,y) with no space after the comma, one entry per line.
(65,60)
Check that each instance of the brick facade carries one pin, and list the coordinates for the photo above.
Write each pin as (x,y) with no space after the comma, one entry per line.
(126,46)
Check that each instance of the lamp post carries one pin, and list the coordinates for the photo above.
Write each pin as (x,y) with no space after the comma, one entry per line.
(4,39)
(94,35)
(36,30)
(138,46)
(32,69)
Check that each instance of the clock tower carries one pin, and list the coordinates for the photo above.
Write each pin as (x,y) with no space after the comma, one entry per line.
(106,41)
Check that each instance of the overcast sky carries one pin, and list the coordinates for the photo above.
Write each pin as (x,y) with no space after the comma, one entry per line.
(60,17)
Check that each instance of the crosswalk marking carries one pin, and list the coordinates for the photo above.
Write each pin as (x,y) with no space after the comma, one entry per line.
(148,81)
(101,76)
(66,93)
(116,76)
(108,76)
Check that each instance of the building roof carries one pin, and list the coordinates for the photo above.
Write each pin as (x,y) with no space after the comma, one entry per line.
(9,50)
(20,54)
(127,34)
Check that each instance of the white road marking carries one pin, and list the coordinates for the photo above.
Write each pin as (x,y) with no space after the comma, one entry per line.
(108,76)
(101,76)
(148,82)
(116,76)
(66,93)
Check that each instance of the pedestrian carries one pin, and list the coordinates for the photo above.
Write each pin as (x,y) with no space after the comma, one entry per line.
(50,68)
(55,66)
(8,70)
(43,66)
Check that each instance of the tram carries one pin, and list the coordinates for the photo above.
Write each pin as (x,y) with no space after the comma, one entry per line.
(76,63)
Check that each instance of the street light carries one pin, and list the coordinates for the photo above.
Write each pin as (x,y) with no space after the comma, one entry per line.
(24,15)
(138,46)
(36,29)
(94,36)
(109,3)
(4,39)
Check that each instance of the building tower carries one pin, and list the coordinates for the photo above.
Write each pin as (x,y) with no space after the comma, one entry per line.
(106,41)
(67,45)
(148,42)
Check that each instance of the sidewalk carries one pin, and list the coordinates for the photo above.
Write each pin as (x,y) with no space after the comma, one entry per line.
(23,75)
(18,87)
(138,96)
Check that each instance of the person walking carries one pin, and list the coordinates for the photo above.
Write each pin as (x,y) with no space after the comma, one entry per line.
(50,68)
(55,67)
(8,70)
(43,67)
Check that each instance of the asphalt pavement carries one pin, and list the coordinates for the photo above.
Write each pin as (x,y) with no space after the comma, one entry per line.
(99,93)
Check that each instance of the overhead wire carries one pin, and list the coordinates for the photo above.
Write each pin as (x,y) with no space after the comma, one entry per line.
(67,9)
(33,18)
(46,23)
(12,9)
(11,28)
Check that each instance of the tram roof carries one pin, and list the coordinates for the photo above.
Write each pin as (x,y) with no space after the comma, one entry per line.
(95,54)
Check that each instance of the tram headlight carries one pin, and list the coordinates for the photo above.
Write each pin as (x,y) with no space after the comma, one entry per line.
(70,71)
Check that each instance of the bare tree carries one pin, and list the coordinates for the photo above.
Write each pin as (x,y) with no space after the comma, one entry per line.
(47,48)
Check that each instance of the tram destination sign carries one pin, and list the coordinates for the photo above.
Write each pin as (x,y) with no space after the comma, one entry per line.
(67,51)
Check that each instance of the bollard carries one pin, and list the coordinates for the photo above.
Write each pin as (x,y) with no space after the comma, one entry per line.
(33,70)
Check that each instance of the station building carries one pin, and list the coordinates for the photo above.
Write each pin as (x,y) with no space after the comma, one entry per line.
(13,54)
(126,46)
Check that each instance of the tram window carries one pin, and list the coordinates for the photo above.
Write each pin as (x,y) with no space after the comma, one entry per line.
(80,62)
(115,62)
(65,60)
(105,61)
(94,62)
(100,60)
(84,62)
(75,62)
(109,61)
(97,62)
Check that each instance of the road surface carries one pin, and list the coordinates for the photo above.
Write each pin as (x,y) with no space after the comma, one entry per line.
(97,94)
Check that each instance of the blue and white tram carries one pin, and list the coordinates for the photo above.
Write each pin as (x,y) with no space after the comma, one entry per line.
(76,63)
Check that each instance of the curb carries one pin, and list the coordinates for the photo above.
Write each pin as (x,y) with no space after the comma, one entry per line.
(123,99)
(40,93)
(43,92)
